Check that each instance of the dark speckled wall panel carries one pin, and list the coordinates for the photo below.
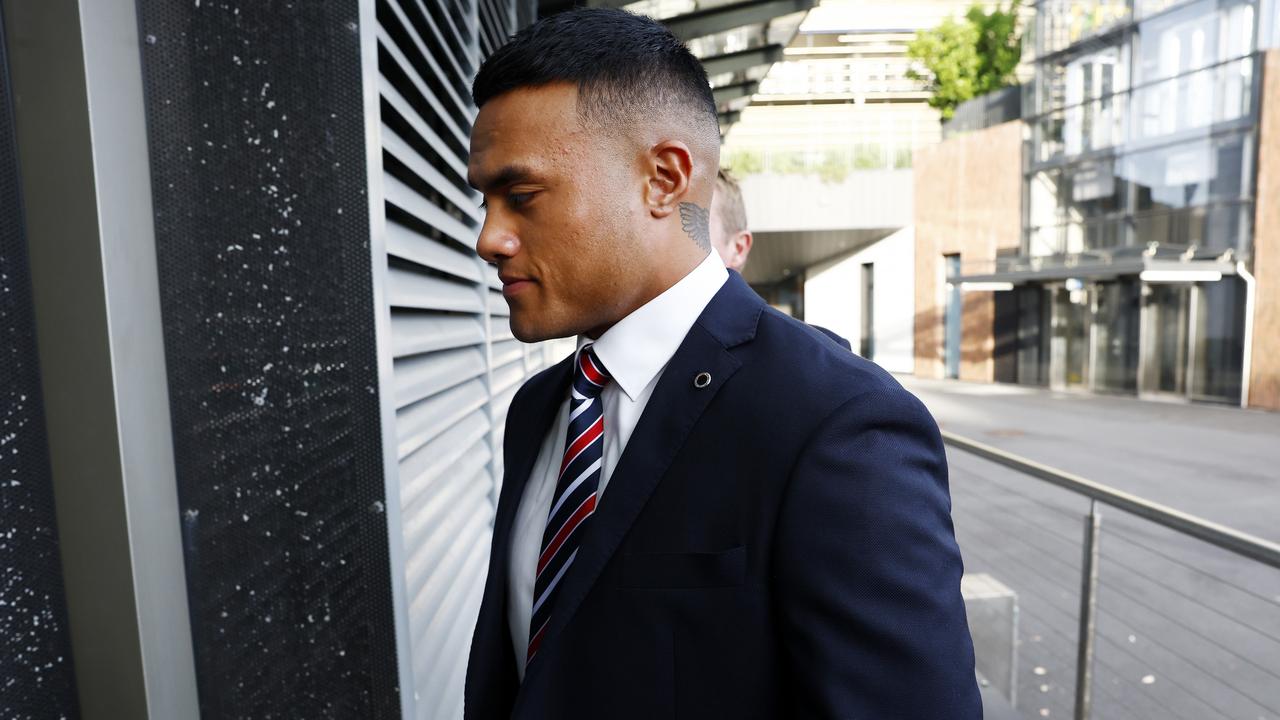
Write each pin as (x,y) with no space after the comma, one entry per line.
(259,184)
(36,676)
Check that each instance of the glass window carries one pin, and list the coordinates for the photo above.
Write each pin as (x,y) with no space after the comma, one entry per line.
(1094,115)
(1269,24)
(1216,227)
(1091,190)
(1044,196)
(1194,37)
(1046,240)
(1194,173)
(1061,23)
(1048,136)
(1192,102)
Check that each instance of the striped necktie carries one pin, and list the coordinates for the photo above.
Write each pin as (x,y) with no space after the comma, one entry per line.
(575,498)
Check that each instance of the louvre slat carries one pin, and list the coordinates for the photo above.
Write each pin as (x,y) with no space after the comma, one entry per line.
(459,62)
(424,519)
(436,563)
(463,106)
(500,328)
(412,159)
(413,290)
(416,332)
(491,276)
(498,304)
(457,365)
(434,527)
(507,352)
(405,110)
(463,32)
(424,465)
(501,402)
(405,198)
(505,378)
(421,87)
(458,620)
(425,375)
(409,245)
(423,420)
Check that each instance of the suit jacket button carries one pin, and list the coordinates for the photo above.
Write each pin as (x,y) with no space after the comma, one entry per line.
(702,380)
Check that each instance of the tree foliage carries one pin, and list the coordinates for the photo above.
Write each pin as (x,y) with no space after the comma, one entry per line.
(969,57)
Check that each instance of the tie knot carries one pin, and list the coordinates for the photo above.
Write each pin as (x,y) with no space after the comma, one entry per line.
(590,376)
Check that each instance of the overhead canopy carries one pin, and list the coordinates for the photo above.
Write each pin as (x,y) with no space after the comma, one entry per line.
(1097,265)
(737,41)
(776,256)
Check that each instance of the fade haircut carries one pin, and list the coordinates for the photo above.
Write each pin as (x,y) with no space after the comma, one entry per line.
(625,66)
(733,213)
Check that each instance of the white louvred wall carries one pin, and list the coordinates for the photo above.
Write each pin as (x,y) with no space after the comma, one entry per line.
(456,364)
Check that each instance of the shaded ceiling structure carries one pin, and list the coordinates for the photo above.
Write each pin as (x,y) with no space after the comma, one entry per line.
(779,256)
(737,41)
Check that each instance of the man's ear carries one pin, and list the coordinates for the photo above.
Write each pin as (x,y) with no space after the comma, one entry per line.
(742,244)
(669,166)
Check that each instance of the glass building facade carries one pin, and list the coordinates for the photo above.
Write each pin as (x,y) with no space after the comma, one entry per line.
(1139,195)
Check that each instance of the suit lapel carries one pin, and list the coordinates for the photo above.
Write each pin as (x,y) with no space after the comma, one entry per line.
(671,413)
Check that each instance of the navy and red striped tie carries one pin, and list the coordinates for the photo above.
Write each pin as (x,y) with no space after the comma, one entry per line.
(575,498)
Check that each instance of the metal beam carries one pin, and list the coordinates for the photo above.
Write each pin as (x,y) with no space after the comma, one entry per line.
(732,92)
(727,119)
(86,179)
(742,59)
(727,17)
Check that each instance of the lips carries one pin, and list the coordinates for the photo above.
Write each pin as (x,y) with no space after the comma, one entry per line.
(513,285)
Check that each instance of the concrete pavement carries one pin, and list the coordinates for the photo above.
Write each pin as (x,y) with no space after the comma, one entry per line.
(1221,463)
(1185,631)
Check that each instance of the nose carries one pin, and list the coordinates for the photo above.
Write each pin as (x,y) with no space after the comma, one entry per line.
(497,240)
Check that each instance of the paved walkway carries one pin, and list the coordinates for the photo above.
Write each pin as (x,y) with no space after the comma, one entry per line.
(1185,631)
(1221,463)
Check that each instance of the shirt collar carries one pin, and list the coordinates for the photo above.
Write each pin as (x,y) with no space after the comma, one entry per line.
(639,345)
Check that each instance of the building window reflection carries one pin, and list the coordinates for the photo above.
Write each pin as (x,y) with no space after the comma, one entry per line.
(1142,146)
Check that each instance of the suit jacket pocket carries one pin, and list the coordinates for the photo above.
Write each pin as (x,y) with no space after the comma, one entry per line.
(685,570)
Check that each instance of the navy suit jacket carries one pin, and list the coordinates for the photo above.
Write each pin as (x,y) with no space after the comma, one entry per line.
(777,544)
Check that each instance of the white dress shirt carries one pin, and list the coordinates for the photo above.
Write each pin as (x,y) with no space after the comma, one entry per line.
(634,352)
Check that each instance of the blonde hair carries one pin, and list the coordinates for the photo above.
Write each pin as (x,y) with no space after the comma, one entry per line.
(733,213)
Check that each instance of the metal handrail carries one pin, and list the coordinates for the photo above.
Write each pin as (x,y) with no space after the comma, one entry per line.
(1240,543)
(1243,544)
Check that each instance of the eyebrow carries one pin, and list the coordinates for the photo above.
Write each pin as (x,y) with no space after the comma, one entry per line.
(508,175)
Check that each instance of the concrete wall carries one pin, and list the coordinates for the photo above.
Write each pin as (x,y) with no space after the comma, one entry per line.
(833,298)
(864,199)
(1264,383)
(968,200)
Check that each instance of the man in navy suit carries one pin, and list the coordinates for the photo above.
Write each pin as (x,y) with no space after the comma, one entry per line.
(709,509)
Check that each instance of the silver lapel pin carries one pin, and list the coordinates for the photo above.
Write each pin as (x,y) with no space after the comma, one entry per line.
(702,380)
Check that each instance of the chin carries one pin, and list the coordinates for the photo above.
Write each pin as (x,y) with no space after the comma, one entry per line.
(531,332)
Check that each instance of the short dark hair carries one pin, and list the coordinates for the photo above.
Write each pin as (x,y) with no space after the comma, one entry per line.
(623,64)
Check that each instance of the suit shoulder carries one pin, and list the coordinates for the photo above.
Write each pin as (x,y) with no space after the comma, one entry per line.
(819,370)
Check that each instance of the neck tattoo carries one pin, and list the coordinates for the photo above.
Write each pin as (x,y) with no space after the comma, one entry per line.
(696,221)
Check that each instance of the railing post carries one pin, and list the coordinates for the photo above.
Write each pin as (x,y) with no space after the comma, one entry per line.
(1088,606)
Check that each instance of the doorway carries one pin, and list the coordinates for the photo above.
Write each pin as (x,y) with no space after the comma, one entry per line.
(1069,339)
(1166,309)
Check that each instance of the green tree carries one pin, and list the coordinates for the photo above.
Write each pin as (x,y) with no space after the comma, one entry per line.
(970,57)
